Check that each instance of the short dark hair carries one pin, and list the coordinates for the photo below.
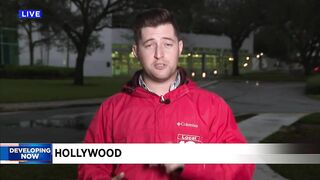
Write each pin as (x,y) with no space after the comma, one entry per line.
(153,18)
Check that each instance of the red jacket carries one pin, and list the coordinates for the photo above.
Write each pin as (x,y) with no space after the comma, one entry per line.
(189,114)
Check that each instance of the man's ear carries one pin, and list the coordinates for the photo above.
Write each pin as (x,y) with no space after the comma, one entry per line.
(135,50)
(180,47)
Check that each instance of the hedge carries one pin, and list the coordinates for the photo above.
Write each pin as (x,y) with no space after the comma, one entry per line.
(313,85)
(35,72)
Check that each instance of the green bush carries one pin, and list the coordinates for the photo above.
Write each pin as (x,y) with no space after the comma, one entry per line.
(35,72)
(313,85)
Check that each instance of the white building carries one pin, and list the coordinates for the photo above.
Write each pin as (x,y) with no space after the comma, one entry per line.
(201,53)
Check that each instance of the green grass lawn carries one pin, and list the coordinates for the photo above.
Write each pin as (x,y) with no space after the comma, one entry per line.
(34,90)
(316,97)
(313,87)
(306,130)
(27,90)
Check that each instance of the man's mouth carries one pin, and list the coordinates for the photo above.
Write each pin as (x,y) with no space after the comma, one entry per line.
(160,66)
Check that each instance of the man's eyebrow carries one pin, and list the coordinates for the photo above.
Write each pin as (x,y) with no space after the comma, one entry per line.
(151,39)
(167,38)
(148,40)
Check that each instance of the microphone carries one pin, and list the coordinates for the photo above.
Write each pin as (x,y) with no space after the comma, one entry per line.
(164,101)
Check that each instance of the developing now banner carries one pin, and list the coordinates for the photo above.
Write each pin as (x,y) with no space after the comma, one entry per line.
(77,153)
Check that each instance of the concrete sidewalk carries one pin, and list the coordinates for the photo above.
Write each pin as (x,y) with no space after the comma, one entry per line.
(259,127)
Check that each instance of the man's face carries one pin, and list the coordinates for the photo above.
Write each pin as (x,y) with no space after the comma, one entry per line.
(158,50)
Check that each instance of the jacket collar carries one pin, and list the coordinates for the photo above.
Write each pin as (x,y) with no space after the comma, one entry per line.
(134,89)
(172,87)
(182,90)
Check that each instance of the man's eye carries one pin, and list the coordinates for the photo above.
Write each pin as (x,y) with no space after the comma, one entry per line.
(168,44)
(148,45)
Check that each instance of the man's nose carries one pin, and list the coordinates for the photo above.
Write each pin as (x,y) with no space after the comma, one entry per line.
(158,52)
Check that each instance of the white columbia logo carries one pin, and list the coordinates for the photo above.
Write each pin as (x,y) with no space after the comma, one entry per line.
(187,124)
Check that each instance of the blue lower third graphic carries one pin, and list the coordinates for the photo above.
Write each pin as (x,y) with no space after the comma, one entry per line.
(27,153)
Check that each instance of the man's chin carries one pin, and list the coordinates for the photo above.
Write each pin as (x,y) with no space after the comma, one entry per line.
(161,78)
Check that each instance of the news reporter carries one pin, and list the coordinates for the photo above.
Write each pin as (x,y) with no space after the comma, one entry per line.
(159,105)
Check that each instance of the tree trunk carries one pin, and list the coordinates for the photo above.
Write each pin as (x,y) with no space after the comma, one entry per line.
(235,63)
(68,52)
(31,49)
(31,54)
(203,63)
(78,74)
(48,54)
(29,31)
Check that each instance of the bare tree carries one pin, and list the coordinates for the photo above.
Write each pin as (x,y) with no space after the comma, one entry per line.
(80,20)
(31,28)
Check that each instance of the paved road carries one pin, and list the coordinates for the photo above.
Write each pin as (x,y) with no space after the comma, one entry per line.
(266,97)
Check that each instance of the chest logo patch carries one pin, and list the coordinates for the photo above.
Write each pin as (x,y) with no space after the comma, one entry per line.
(186,138)
(184,124)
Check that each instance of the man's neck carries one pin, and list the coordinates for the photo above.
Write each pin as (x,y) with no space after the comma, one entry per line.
(159,88)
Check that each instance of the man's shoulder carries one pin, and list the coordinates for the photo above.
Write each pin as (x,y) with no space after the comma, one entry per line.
(115,98)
